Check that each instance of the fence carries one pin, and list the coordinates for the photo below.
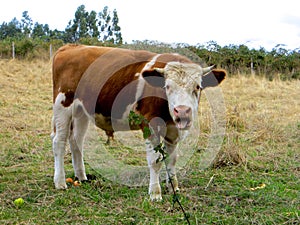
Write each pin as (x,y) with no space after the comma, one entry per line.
(13,50)
(29,48)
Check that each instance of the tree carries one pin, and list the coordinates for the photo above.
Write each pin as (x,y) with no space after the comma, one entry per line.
(77,28)
(116,28)
(109,26)
(10,30)
(41,31)
(26,24)
(92,25)
(56,34)
(103,26)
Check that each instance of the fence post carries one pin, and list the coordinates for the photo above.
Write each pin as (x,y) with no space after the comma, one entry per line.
(50,51)
(13,50)
(252,68)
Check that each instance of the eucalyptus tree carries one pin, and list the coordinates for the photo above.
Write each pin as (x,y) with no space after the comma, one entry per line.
(26,24)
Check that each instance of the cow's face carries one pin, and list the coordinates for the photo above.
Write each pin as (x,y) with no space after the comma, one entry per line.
(183,83)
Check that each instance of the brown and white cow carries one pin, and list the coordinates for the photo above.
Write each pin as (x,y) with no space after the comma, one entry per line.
(104,84)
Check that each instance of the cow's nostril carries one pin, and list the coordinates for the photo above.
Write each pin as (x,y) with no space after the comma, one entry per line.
(182,110)
(176,112)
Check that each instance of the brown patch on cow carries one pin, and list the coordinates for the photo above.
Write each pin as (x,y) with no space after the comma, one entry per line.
(69,64)
(69,99)
(156,105)
(112,76)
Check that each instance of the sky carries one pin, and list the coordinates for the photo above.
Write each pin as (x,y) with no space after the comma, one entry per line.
(256,23)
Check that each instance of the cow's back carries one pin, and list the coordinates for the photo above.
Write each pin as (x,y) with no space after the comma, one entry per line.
(69,64)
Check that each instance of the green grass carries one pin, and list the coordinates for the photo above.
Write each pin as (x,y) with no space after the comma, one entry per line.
(261,146)
(227,200)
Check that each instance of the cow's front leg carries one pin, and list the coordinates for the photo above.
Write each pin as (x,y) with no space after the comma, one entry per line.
(155,167)
(172,182)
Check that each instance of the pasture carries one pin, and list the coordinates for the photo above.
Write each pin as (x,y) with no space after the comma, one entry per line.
(254,180)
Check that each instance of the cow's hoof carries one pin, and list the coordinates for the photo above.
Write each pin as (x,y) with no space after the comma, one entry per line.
(171,190)
(61,185)
(155,197)
(60,182)
(155,192)
(174,186)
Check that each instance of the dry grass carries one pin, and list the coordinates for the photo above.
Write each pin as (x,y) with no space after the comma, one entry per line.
(258,110)
(25,100)
(260,115)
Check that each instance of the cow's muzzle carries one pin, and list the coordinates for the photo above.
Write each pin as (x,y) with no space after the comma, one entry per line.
(183,117)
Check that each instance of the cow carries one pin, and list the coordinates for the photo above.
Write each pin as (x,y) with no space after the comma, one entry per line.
(105,84)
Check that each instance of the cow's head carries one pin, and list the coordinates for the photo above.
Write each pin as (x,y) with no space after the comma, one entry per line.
(183,83)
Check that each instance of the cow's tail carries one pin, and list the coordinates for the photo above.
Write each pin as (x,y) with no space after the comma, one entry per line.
(53,129)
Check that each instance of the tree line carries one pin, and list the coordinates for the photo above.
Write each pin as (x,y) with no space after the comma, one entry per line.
(31,40)
(103,26)
(240,59)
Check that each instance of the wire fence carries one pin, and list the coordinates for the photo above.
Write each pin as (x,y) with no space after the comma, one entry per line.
(28,49)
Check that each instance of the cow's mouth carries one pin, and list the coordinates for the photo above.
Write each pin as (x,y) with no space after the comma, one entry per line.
(183,123)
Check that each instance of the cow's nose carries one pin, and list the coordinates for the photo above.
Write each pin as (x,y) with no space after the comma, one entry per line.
(182,111)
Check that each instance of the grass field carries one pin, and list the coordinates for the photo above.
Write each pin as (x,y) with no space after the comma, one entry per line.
(254,180)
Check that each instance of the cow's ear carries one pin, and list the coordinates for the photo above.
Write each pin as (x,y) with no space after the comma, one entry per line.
(154,77)
(213,78)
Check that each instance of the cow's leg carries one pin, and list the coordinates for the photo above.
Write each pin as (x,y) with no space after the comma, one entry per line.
(61,129)
(170,140)
(155,167)
(171,169)
(79,127)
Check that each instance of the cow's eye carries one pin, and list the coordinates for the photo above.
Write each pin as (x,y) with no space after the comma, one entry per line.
(196,90)
(167,87)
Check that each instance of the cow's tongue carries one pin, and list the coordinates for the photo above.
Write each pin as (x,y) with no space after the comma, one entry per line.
(182,124)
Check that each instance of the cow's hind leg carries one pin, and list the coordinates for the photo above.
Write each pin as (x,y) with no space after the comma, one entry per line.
(61,128)
(76,139)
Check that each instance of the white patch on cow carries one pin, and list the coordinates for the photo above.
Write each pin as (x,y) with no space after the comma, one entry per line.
(140,87)
(151,63)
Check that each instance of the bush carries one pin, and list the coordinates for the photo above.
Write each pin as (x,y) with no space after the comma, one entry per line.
(24,47)
(5,49)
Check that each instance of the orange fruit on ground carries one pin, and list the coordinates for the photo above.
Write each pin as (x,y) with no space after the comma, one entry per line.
(69,180)
(76,183)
